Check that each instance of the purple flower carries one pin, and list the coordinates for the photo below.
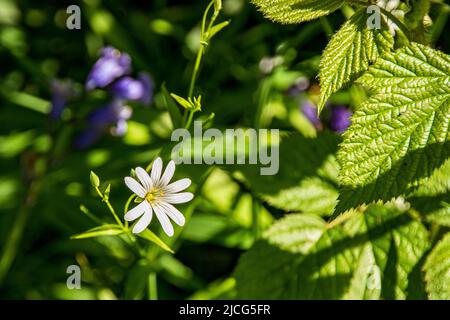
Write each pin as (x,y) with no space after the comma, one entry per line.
(62,90)
(111,65)
(114,116)
(340,118)
(139,89)
(310,112)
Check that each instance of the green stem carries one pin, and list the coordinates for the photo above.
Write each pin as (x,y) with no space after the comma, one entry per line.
(152,286)
(198,61)
(189,120)
(110,207)
(12,243)
(204,38)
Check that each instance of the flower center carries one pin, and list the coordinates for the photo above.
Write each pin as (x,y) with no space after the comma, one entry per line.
(153,195)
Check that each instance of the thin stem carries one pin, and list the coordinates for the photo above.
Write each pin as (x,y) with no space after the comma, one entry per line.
(152,286)
(189,120)
(204,38)
(127,205)
(13,241)
(110,207)
(198,61)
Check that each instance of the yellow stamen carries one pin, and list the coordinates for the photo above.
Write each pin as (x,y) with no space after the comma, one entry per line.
(153,195)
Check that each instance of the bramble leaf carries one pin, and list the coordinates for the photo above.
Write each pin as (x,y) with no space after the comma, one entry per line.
(296,11)
(400,135)
(371,256)
(349,53)
(307,176)
(437,270)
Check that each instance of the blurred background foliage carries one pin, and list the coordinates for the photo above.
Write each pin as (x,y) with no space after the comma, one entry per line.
(246,78)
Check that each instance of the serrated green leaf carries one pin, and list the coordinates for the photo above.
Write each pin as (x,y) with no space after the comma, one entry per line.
(104,230)
(313,260)
(437,271)
(430,198)
(296,11)
(400,135)
(150,236)
(349,53)
(307,176)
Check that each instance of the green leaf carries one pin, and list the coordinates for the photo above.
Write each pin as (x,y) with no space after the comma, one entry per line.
(349,53)
(437,270)
(182,101)
(216,29)
(307,176)
(301,257)
(150,236)
(174,112)
(296,11)
(107,192)
(136,280)
(400,135)
(104,230)
(95,181)
(430,198)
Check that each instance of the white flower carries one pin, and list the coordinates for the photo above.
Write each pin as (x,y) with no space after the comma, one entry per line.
(157,196)
(391,6)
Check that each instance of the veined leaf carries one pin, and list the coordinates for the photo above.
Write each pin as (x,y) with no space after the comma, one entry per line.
(432,197)
(400,135)
(150,236)
(371,256)
(296,11)
(307,176)
(437,270)
(104,230)
(349,53)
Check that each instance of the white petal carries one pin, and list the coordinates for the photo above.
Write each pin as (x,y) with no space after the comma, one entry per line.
(392,4)
(134,186)
(156,170)
(143,222)
(164,220)
(144,178)
(178,197)
(168,174)
(178,186)
(381,3)
(136,212)
(173,213)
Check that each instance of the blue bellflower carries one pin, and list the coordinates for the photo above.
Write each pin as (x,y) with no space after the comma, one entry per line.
(140,89)
(113,116)
(111,65)
(310,112)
